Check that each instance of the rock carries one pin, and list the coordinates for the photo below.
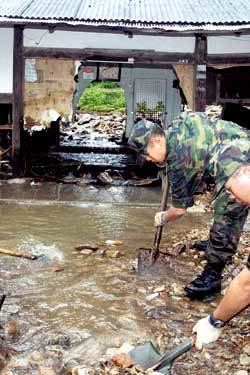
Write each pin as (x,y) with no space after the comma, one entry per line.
(113,242)
(160,288)
(122,360)
(246,349)
(2,361)
(105,178)
(241,372)
(110,352)
(70,365)
(80,371)
(177,290)
(152,296)
(37,356)
(16,181)
(100,252)
(11,328)
(7,372)
(86,246)
(86,252)
(113,254)
(84,119)
(60,340)
(125,348)
(244,359)
(43,370)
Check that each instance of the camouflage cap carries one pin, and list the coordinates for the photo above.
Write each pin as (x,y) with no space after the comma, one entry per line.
(140,135)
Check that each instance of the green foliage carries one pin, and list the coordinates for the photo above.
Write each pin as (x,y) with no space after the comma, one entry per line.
(142,107)
(103,96)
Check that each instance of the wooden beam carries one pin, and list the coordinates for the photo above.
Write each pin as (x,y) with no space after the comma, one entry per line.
(241,58)
(5,98)
(200,72)
(140,56)
(18,88)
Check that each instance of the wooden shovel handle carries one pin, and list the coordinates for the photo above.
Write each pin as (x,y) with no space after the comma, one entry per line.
(169,357)
(158,234)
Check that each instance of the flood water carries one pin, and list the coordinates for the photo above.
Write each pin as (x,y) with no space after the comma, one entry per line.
(94,300)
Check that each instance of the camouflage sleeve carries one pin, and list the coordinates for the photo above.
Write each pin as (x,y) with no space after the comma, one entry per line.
(177,182)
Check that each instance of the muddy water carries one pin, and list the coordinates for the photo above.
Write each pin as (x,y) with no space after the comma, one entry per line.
(94,300)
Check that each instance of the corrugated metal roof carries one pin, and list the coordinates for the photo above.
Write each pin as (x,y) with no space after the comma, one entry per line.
(165,14)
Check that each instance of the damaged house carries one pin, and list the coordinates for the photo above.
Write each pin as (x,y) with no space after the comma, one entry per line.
(163,54)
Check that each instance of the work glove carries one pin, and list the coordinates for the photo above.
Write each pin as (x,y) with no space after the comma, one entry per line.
(205,332)
(159,218)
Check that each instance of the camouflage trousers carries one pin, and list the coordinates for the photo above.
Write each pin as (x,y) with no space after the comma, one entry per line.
(229,219)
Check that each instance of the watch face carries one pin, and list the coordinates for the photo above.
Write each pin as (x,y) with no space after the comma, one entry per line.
(218,323)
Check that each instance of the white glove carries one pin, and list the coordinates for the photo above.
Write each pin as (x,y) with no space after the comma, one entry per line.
(159,218)
(206,333)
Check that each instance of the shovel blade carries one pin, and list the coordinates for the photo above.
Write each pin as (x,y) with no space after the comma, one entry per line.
(146,264)
(146,356)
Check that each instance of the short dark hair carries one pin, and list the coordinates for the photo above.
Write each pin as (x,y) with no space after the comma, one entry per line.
(157,132)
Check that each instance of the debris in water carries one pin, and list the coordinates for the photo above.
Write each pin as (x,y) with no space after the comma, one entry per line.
(113,242)
(86,246)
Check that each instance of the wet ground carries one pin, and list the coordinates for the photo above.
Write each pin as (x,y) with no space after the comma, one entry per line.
(90,303)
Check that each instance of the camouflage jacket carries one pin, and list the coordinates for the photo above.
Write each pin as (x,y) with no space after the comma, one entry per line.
(196,144)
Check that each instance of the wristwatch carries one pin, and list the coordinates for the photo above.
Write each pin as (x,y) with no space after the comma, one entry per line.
(217,323)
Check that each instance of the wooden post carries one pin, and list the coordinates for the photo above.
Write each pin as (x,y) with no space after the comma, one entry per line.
(18,88)
(200,72)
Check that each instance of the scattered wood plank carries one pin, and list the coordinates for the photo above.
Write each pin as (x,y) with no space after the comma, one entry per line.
(18,255)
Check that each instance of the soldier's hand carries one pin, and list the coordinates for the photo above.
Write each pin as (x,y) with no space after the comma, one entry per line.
(159,218)
(205,332)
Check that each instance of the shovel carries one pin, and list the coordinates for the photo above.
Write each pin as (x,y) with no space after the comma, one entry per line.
(147,257)
(148,357)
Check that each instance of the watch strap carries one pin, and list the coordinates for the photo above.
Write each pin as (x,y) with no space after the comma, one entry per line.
(218,323)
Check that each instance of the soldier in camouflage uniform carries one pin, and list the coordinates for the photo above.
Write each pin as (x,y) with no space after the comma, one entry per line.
(191,146)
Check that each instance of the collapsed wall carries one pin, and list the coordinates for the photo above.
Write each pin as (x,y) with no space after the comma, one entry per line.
(48,91)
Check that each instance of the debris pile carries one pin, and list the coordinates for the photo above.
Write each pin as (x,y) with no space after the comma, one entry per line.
(93,127)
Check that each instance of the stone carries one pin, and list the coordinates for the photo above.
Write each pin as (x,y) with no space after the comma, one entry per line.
(11,328)
(241,372)
(113,242)
(160,288)
(246,349)
(80,371)
(110,352)
(152,296)
(43,370)
(37,356)
(122,360)
(86,252)
(244,359)
(177,290)
(86,246)
(113,254)
(125,348)
(100,252)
